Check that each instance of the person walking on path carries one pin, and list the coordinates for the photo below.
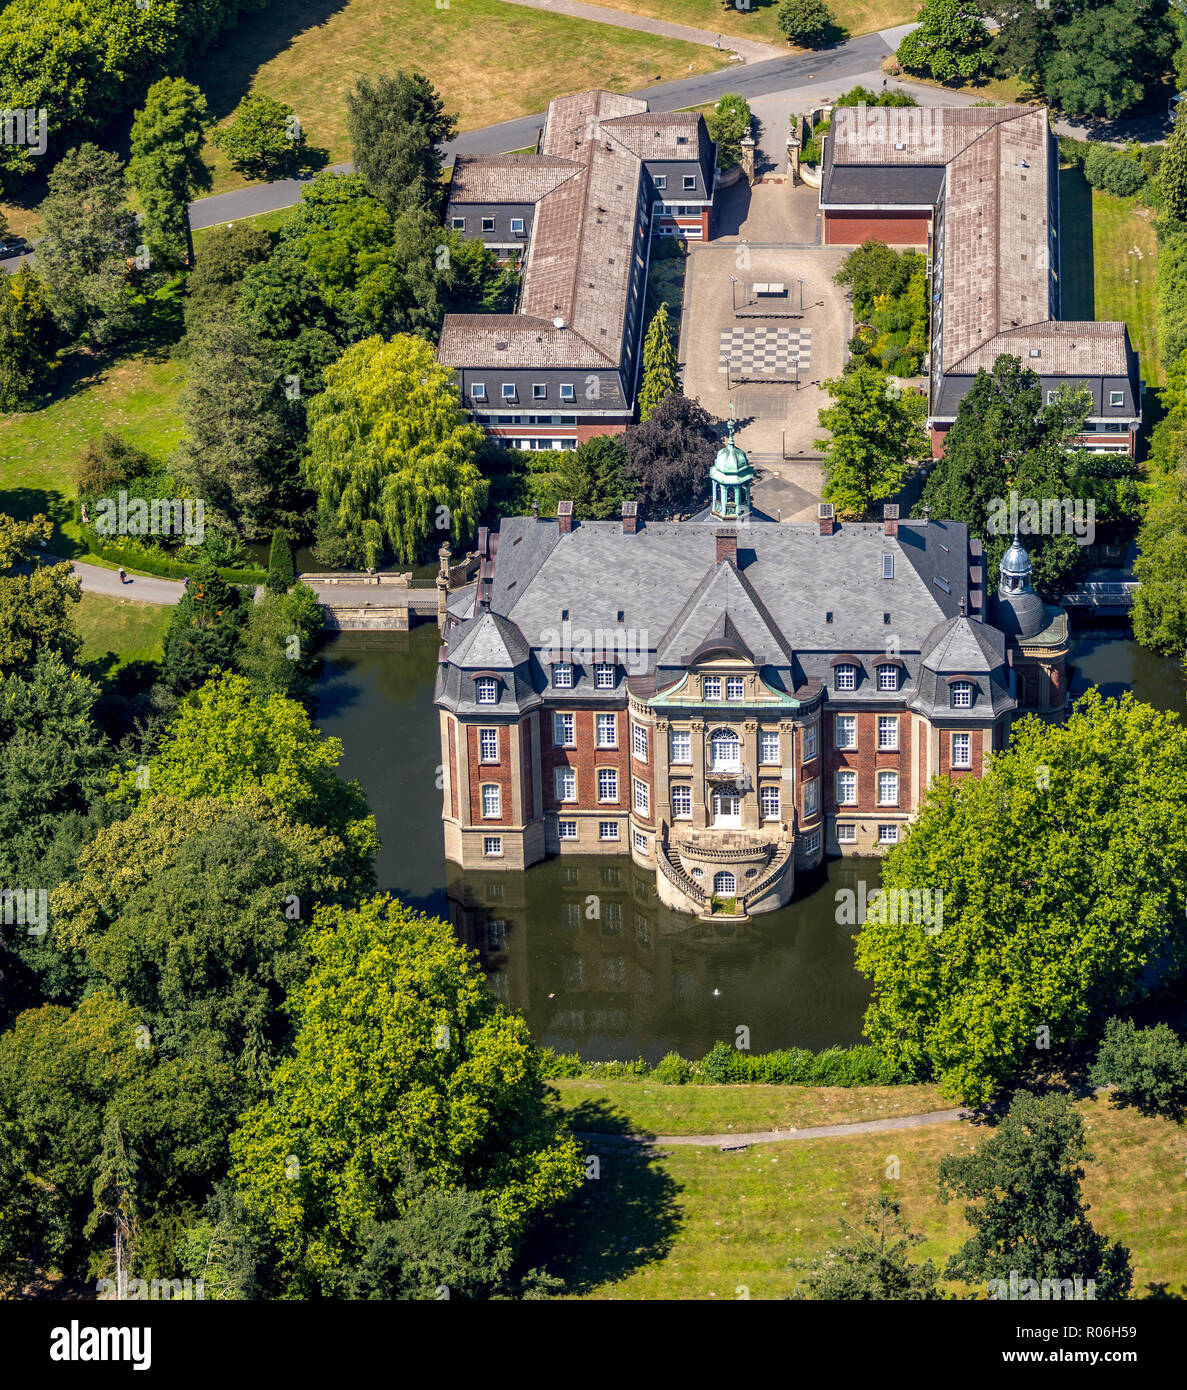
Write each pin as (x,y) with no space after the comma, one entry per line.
(123,576)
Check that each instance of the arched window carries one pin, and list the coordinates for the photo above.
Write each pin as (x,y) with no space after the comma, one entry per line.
(962,694)
(725,884)
(725,751)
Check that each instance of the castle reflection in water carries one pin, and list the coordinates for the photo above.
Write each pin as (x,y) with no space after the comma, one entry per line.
(601,967)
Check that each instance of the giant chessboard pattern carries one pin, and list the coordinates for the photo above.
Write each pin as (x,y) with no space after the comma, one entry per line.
(757,351)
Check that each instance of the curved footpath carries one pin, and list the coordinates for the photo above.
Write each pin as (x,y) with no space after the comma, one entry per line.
(144,588)
(777,1136)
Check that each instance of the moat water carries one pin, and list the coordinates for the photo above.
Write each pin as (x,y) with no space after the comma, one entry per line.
(583,946)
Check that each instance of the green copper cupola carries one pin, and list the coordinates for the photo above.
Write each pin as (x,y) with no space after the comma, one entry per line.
(730,477)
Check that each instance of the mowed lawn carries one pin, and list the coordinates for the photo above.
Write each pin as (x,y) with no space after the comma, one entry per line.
(135,397)
(758,23)
(642,1105)
(1125,260)
(133,631)
(694,1222)
(490,61)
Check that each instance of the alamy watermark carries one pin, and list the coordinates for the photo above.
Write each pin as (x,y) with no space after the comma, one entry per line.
(29,128)
(1068,1290)
(896,907)
(25,907)
(184,518)
(623,646)
(1043,516)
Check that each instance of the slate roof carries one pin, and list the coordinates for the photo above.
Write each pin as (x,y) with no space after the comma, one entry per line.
(1066,347)
(586,185)
(507,178)
(488,642)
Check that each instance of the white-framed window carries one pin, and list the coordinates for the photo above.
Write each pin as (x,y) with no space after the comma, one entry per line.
(735,688)
(809,743)
(604,675)
(846,787)
(639,742)
(888,834)
(725,884)
(607,730)
(640,842)
(725,750)
(562,675)
(887,677)
(492,801)
(768,746)
(642,797)
(566,829)
(508,389)
(812,842)
(488,224)
(566,784)
(539,390)
(962,694)
(607,784)
(607,830)
(1050,397)
(682,802)
(811,797)
(846,834)
(567,392)
(845,735)
(680,746)
(887,732)
(488,690)
(712,687)
(768,801)
(492,846)
(459,224)
(1116,397)
(488,745)
(690,182)
(888,789)
(517,226)
(962,750)
(845,677)
(564,731)
(478,390)
(661,180)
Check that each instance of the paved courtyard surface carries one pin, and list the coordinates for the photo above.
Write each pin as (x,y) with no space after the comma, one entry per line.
(746,357)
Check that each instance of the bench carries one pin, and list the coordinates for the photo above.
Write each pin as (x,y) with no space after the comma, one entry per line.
(774,287)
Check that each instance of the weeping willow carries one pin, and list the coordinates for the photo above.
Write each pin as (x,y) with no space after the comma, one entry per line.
(392,453)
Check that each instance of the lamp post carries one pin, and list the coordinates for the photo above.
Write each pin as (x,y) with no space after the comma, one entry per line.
(734,293)
(800,278)
(796,359)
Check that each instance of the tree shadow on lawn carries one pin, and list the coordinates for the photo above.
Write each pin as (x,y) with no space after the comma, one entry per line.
(623,1219)
(227,70)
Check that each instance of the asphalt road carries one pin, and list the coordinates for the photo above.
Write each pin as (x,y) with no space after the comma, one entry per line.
(751,79)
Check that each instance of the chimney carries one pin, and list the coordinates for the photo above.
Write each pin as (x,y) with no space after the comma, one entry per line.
(727,544)
(564,517)
(964,608)
(535,510)
(827,518)
(630,518)
(890,519)
(926,513)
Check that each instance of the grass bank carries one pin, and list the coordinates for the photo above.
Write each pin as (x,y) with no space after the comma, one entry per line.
(695,1222)
(121,627)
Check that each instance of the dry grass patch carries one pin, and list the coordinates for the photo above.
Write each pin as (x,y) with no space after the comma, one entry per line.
(491,61)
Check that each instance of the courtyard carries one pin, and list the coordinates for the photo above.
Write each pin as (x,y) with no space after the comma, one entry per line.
(764,326)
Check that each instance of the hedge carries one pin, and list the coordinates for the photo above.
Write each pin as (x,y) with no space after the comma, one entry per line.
(725,1065)
(1116,171)
(139,558)
(1172,297)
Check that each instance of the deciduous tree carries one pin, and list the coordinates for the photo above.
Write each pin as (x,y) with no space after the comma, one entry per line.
(397,126)
(874,433)
(167,168)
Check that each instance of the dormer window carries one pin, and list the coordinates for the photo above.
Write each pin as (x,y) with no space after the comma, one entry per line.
(488,690)
(712,687)
(604,676)
(562,675)
(962,694)
(735,688)
(887,677)
(845,677)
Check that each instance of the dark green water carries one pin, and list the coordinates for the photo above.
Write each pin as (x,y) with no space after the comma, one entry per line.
(583,946)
